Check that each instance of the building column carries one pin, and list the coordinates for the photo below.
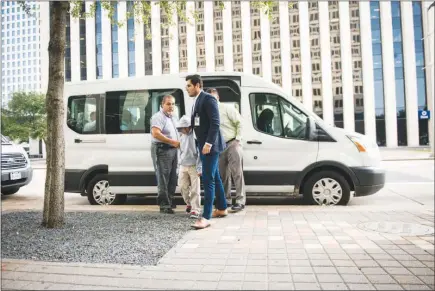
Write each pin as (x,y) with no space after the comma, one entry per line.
(45,38)
(227,23)
(410,74)
(325,54)
(284,35)
(388,73)
(266,58)
(106,31)
(346,67)
(191,37)
(122,40)
(139,48)
(429,35)
(367,70)
(174,54)
(75,49)
(91,63)
(156,38)
(304,28)
(209,36)
(245,11)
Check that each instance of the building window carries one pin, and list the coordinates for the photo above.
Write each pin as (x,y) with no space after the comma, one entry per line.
(98,41)
(82,23)
(115,58)
(68,48)
(130,38)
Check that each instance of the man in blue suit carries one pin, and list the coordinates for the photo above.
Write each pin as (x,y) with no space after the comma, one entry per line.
(205,122)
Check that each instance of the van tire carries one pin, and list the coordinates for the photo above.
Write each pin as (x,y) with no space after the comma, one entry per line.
(10,191)
(102,179)
(333,177)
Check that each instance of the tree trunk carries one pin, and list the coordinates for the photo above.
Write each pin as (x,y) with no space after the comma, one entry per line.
(53,215)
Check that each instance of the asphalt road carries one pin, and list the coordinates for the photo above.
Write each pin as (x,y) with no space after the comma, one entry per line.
(410,184)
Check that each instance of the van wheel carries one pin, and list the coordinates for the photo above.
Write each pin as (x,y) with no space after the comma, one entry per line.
(98,192)
(10,191)
(327,188)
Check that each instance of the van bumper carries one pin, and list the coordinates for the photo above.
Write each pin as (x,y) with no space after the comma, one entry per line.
(26,178)
(371,180)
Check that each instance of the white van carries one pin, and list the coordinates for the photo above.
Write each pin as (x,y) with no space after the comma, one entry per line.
(16,170)
(287,148)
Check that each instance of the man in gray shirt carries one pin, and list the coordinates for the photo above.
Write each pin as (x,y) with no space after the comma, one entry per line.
(164,147)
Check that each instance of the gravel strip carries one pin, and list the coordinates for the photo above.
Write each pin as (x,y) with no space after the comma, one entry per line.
(93,237)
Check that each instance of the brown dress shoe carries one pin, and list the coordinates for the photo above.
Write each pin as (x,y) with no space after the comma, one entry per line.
(201,223)
(219,213)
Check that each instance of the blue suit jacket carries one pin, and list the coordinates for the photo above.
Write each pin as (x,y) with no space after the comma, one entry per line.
(208,131)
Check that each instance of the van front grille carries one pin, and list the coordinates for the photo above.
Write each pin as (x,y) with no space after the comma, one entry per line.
(13,161)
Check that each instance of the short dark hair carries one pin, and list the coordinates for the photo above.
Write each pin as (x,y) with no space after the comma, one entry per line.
(166,97)
(195,79)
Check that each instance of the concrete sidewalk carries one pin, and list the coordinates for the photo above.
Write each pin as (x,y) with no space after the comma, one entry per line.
(267,247)
(404,154)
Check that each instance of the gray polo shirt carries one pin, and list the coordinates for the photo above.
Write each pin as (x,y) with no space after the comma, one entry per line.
(167,124)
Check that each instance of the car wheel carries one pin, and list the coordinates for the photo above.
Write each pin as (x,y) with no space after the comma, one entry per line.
(10,191)
(327,188)
(98,192)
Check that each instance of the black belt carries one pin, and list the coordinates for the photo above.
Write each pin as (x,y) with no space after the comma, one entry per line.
(233,139)
(163,146)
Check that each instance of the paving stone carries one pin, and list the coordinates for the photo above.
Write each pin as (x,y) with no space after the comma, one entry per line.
(279,278)
(212,269)
(278,269)
(229,285)
(278,262)
(254,285)
(354,278)
(281,286)
(204,285)
(417,287)
(301,270)
(380,279)
(325,270)
(307,286)
(407,279)
(256,269)
(429,280)
(398,271)
(321,263)
(366,263)
(353,286)
(251,277)
(299,263)
(231,277)
(12,284)
(389,263)
(373,271)
(329,278)
(304,278)
(348,270)
(388,287)
(234,269)
(343,263)
(422,271)
(333,286)
(412,264)
(257,262)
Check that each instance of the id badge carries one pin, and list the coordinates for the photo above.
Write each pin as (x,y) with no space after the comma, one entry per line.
(196,121)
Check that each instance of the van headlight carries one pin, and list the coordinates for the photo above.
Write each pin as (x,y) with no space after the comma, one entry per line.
(359,144)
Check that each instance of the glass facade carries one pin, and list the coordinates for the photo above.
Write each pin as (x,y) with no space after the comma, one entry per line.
(68,48)
(399,74)
(98,41)
(377,72)
(130,38)
(420,64)
(316,61)
(148,48)
(82,23)
(114,35)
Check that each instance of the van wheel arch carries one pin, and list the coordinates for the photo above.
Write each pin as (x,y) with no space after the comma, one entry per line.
(90,174)
(327,166)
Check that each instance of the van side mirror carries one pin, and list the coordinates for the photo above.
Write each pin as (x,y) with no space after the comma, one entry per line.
(311,127)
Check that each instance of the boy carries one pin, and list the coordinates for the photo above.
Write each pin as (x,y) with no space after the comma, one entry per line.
(190,168)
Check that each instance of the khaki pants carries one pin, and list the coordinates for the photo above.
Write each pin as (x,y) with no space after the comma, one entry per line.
(230,165)
(189,183)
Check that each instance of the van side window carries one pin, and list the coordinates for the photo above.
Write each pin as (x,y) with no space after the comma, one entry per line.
(82,114)
(131,111)
(276,116)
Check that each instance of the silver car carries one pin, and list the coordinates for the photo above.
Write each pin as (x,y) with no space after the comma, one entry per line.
(16,170)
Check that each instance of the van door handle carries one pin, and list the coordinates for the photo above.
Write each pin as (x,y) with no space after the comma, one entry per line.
(254,142)
(77,140)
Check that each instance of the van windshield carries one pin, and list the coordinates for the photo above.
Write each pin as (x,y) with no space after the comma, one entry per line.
(5,140)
